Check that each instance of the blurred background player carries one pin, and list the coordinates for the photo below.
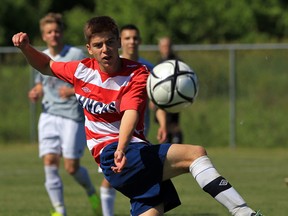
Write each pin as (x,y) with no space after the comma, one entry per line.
(61,124)
(166,49)
(174,132)
(130,41)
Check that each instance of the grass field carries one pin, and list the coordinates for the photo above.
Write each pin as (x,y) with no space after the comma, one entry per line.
(258,174)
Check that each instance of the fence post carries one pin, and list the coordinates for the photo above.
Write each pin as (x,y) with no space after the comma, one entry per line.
(232,95)
(32,107)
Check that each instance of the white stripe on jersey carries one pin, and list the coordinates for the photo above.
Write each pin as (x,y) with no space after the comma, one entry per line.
(93,142)
(103,127)
(89,75)
(86,74)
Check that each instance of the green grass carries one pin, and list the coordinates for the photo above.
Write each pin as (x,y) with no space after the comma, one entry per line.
(258,174)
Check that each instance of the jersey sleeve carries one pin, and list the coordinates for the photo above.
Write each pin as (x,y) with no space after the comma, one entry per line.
(38,77)
(135,95)
(65,70)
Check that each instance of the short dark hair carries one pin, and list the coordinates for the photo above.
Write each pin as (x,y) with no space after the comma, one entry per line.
(130,27)
(98,25)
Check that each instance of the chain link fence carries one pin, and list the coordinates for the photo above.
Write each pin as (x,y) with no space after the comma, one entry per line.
(242,98)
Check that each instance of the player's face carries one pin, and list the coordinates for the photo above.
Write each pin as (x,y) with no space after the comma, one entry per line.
(130,41)
(165,47)
(52,35)
(104,48)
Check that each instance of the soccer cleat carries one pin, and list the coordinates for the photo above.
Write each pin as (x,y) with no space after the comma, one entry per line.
(56,214)
(96,204)
(257,214)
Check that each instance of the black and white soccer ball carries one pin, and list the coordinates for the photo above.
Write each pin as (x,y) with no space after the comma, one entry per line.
(172,85)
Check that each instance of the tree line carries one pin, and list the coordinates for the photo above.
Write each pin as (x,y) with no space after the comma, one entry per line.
(186,21)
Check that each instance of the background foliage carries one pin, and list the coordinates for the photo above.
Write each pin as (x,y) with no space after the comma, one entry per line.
(261,75)
(261,103)
(187,21)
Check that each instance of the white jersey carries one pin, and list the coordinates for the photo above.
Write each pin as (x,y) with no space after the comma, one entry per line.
(52,103)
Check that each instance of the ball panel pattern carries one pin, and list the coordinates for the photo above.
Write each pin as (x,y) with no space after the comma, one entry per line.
(172,85)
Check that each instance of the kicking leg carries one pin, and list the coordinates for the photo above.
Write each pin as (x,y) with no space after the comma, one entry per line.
(156,211)
(193,159)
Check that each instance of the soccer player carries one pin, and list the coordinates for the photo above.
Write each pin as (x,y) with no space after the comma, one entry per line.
(112,92)
(130,41)
(174,132)
(61,124)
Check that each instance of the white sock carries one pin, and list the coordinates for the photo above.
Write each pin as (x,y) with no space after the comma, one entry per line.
(219,188)
(54,187)
(82,177)
(107,200)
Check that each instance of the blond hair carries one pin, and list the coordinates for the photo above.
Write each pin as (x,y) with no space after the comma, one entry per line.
(52,18)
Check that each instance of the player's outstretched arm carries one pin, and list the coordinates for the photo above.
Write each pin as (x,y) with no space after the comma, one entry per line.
(127,128)
(35,58)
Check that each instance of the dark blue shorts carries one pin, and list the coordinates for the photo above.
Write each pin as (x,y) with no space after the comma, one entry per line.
(141,179)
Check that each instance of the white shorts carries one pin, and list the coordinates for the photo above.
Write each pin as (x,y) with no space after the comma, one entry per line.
(61,136)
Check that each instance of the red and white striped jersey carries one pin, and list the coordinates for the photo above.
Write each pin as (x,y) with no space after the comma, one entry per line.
(105,97)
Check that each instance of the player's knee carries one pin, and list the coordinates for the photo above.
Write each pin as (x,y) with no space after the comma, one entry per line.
(71,165)
(197,151)
(201,151)
(71,169)
(187,154)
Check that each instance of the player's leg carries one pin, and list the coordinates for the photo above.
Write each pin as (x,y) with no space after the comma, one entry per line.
(144,167)
(80,174)
(177,137)
(189,158)
(73,147)
(174,128)
(176,134)
(50,151)
(107,194)
(53,182)
(156,211)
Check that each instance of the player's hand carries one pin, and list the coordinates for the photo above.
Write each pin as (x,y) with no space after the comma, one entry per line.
(119,160)
(65,92)
(161,134)
(20,40)
(34,94)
